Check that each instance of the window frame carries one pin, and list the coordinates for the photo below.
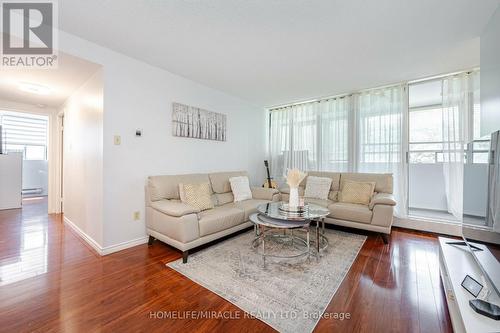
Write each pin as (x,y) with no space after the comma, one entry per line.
(469,150)
(24,143)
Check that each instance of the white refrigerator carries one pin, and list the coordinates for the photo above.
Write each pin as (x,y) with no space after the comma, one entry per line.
(11,180)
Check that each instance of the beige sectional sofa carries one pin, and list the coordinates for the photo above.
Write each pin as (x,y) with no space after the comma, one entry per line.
(185,227)
(377,216)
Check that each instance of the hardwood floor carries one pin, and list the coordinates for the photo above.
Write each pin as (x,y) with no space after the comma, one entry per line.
(50,280)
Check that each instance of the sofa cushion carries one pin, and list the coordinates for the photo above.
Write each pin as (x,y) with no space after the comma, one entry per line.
(167,187)
(333,195)
(264,193)
(224,198)
(317,187)
(319,202)
(219,218)
(220,180)
(383,181)
(350,212)
(248,206)
(357,192)
(197,195)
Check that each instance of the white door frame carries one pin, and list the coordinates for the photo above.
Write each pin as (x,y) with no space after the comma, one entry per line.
(55,162)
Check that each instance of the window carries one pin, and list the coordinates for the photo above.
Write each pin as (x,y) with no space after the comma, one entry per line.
(380,138)
(333,150)
(310,136)
(426,126)
(426,135)
(480,147)
(380,120)
(25,133)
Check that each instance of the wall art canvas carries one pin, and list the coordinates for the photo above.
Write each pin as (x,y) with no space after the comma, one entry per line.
(192,122)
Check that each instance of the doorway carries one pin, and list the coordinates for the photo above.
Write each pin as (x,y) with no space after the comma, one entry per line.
(25,135)
(427,197)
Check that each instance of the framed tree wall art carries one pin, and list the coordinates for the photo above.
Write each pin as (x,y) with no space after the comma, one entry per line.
(192,122)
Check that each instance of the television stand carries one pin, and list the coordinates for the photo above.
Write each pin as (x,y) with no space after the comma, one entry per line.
(454,264)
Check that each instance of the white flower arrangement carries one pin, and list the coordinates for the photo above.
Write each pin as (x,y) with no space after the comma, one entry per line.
(294,177)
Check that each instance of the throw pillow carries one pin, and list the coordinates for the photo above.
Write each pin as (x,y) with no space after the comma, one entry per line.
(241,188)
(196,195)
(318,187)
(357,192)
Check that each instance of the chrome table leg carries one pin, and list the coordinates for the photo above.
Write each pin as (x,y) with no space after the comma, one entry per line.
(263,236)
(308,243)
(317,238)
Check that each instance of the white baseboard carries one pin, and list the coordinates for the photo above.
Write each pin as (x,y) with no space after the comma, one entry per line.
(96,246)
(124,245)
(108,249)
(440,227)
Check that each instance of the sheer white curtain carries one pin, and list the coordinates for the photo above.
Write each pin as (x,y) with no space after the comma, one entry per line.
(293,138)
(335,129)
(304,137)
(381,148)
(457,111)
(310,136)
(279,140)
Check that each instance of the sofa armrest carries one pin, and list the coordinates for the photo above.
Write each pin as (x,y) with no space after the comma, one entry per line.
(263,193)
(174,208)
(382,199)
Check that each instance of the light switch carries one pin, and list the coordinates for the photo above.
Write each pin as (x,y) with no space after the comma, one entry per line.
(118,140)
(137,216)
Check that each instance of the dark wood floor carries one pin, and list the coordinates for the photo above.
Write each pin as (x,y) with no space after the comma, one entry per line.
(50,280)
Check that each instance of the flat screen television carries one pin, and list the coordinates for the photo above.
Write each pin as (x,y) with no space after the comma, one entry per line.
(481,231)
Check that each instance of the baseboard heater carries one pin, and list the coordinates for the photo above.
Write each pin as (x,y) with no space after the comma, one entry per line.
(31,191)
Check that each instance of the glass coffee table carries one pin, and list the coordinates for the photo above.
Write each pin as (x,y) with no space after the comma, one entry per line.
(274,225)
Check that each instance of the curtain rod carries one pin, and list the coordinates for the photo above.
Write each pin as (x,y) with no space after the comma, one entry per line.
(339,96)
(440,76)
(328,98)
(316,100)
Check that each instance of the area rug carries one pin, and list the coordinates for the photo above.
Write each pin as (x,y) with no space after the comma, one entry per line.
(289,295)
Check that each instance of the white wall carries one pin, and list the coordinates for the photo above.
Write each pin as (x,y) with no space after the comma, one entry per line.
(141,97)
(83,158)
(490,75)
(137,95)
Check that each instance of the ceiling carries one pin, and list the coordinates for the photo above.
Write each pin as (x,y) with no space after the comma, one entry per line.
(276,51)
(71,73)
